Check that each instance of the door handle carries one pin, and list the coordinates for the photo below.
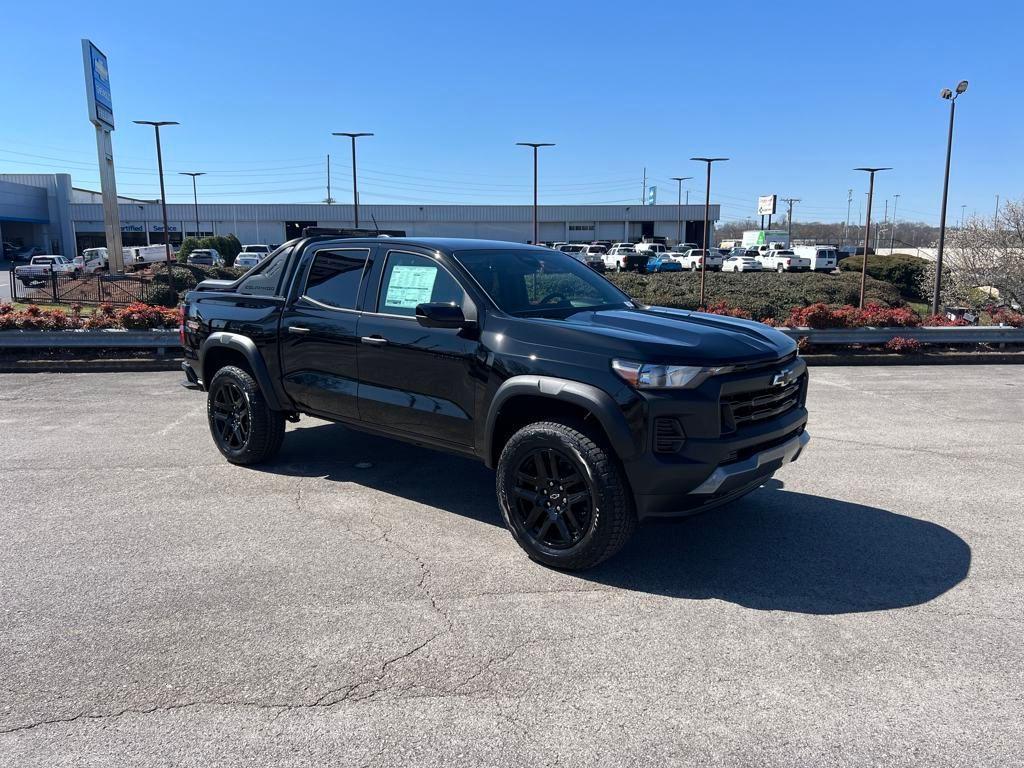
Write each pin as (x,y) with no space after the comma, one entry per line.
(297,329)
(375,340)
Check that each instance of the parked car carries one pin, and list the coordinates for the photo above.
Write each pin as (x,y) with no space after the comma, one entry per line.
(9,249)
(663,263)
(247,260)
(615,259)
(698,258)
(589,436)
(651,249)
(207,257)
(823,258)
(40,268)
(782,260)
(261,251)
(606,243)
(740,262)
(593,256)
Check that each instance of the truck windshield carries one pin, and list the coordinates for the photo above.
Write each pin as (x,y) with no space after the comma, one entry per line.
(532,283)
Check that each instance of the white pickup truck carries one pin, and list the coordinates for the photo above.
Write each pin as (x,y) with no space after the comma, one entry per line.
(697,258)
(39,269)
(782,260)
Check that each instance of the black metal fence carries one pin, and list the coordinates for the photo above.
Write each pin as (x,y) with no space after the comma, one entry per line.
(97,288)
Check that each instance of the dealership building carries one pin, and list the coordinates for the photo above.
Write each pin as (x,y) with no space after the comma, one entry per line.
(46,210)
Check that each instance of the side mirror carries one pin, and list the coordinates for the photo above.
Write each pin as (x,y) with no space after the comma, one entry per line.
(441,315)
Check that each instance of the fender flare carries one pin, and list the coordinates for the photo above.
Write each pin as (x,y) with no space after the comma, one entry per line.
(595,400)
(247,347)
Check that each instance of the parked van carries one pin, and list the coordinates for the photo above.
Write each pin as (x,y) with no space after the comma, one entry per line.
(823,258)
(92,260)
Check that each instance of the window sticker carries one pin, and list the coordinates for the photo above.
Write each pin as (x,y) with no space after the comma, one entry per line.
(410,286)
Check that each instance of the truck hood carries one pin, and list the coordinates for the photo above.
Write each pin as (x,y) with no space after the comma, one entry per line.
(664,335)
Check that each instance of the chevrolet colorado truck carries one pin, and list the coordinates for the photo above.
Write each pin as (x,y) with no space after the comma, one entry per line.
(594,411)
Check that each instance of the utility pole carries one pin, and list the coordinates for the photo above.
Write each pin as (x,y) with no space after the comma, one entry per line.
(867,229)
(846,227)
(355,183)
(707,206)
(885,220)
(195,196)
(679,207)
(996,218)
(892,226)
(535,145)
(963,209)
(643,189)
(329,200)
(789,218)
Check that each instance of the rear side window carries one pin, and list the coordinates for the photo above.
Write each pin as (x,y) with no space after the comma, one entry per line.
(334,277)
(267,277)
(410,279)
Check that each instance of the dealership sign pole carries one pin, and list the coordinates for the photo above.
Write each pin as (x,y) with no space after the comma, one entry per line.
(101,115)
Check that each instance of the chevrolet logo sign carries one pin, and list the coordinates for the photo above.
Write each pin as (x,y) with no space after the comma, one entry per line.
(784,377)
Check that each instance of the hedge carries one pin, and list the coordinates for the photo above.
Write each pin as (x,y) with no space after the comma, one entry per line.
(900,269)
(764,295)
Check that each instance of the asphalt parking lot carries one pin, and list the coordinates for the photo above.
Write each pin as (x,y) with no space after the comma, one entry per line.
(161,607)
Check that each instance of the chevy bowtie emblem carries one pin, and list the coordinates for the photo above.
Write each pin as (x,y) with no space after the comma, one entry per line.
(782,378)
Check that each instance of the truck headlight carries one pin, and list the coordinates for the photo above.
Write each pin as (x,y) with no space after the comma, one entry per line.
(649,376)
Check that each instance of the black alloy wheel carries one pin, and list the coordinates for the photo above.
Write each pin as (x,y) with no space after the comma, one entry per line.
(231,421)
(553,503)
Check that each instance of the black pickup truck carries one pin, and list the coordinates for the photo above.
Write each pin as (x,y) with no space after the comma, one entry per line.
(595,412)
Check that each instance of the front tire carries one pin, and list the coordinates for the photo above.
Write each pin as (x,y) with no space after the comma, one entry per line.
(244,428)
(563,496)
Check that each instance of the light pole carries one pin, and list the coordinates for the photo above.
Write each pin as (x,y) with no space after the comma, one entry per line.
(707,205)
(355,184)
(892,227)
(536,146)
(961,87)
(867,229)
(679,207)
(195,195)
(157,124)
(849,202)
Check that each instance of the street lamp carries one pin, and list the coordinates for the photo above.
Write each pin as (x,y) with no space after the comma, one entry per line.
(536,146)
(195,195)
(157,124)
(355,186)
(867,229)
(947,94)
(679,208)
(707,206)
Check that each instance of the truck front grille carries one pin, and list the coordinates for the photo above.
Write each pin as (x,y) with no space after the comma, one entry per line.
(741,409)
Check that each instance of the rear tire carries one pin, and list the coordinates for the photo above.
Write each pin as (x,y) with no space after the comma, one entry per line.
(563,496)
(244,428)
(780,269)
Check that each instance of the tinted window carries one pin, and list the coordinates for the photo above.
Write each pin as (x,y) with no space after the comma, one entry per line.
(410,279)
(264,281)
(334,277)
(524,282)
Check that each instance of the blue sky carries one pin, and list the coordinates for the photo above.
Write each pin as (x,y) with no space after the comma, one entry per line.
(796,94)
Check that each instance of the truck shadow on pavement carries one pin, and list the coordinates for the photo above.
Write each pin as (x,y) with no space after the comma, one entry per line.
(775,549)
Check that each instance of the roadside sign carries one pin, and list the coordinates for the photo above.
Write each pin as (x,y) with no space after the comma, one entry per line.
(766,205)
(97,86)
(652,196)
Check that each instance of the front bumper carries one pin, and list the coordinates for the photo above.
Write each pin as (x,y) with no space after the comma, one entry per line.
(737,473)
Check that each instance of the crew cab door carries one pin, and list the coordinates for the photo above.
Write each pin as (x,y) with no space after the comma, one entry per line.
(414,380)
(318,333)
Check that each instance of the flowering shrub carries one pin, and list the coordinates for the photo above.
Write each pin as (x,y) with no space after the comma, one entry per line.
(139,316)
(721,308)
(873,315)
(902,344)
(5,308)
(942,321)
(1008,317)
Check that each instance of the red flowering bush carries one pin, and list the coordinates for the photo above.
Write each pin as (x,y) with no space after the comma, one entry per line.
(942,321)
(5,308)
(721,308)
(902,344)
(97,321)
(1008,317)
(873,315)
(139,316)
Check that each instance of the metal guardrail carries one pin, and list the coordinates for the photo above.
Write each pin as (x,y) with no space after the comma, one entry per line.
(984,334)
(158,340)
